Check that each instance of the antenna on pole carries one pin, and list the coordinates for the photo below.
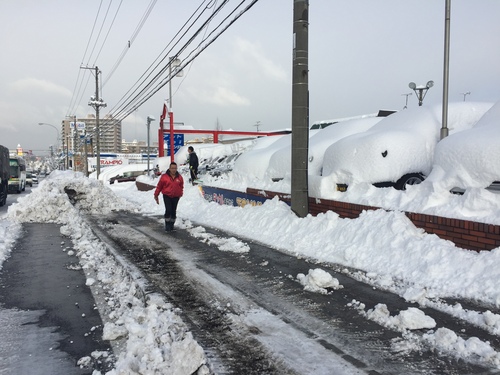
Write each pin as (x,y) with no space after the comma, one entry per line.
(406,101)
(465,94)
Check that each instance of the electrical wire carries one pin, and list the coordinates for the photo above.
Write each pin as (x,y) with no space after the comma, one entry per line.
(144,89)
(165,68)
(107,34)
(130,41)
(71,104)
(161,59)
(133,105)
(93,49)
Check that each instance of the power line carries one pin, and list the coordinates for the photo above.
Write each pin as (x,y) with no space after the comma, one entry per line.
(75,94)
(132,105)
(145,90)
(151,69)
(109,30)
(100,31)
(78,95)
(131,40)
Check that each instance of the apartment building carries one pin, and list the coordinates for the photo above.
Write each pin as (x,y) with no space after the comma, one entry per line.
(110,134)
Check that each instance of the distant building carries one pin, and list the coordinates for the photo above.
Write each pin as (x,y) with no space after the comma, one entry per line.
(139,147)
(110,138)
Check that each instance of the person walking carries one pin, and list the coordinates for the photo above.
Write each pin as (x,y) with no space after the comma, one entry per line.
(171,185)
(193,164)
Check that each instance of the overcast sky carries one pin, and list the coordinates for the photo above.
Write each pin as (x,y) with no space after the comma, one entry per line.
(362,55)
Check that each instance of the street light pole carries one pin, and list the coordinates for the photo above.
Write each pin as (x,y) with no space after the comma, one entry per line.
(175,62)
(148,123)
(420,91)
(57,138)
(446,70)
(57,131)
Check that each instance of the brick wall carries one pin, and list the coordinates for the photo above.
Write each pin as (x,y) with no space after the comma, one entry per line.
(466,234)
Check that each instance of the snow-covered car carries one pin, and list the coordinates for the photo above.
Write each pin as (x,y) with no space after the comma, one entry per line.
(399,150)
(215,159)
(126,176)
(470,159)
(280,163)
(255,162)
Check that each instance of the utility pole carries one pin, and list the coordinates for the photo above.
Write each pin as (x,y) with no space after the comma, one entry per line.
(148,123)
(86,154)
(97,103)
(75,140)
(300,109)
(65,140)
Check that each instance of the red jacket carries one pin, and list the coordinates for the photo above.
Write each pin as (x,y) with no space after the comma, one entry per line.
(171,187)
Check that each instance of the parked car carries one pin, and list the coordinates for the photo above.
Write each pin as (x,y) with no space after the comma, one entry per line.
(126,176)
(280,162)
(399,150)
(29,179)
(470,159)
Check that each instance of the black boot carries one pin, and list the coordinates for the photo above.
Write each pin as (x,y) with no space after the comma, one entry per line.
(167,225)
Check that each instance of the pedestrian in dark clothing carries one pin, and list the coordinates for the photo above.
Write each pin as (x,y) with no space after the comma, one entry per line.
(193,164)
(171,185)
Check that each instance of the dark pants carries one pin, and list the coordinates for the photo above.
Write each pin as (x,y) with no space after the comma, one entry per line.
(170,208)
(194,174)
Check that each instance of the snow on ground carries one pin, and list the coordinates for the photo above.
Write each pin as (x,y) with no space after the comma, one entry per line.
(157,341)
(386,248)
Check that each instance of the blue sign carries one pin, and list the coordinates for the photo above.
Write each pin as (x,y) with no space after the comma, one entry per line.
(87,139)
(178,142)
(230,197)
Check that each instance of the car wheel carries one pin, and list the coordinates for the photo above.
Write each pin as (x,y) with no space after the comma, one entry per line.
(409,179)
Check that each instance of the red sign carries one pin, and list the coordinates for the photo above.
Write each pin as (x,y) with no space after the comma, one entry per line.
(111,162)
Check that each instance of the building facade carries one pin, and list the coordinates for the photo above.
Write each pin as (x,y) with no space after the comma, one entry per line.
(110,134)
(139,147)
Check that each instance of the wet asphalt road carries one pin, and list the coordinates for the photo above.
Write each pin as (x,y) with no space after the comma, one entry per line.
(47,315)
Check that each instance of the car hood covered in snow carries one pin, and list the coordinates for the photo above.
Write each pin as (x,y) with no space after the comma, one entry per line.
(399,144)
(470,158)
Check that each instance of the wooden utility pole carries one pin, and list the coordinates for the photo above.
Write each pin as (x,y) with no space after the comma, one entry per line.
(97,103)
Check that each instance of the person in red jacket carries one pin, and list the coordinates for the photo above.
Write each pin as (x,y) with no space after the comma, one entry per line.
(171,185)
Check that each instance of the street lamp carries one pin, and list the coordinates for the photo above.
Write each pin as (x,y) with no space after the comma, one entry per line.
(57,131)
(175,63)
(149,119)
(420,91)
(57,139)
